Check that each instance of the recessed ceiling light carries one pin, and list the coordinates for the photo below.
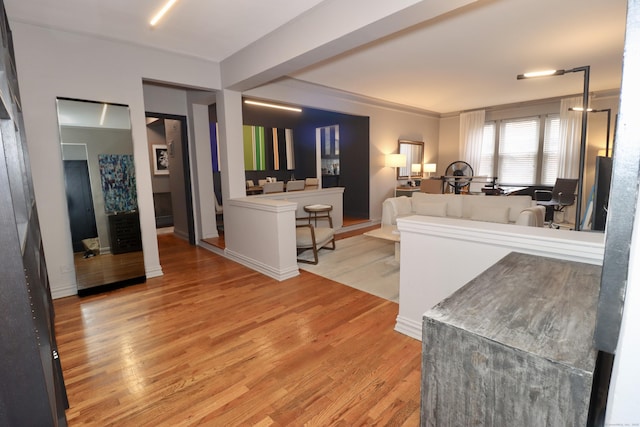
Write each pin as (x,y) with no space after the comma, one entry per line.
(160,14)
(104,113)
(280,107)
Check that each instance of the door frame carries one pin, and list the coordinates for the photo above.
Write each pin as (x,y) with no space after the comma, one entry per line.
(188,192)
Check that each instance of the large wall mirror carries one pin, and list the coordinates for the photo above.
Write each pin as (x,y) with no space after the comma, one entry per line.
(100,184)
(414,150)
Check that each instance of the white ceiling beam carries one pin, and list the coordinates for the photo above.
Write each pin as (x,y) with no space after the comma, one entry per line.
(329,29)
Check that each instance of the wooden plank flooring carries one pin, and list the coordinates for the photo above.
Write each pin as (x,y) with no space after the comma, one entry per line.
(216,344)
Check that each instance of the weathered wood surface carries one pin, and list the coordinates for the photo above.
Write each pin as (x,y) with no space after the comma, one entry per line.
(513,347)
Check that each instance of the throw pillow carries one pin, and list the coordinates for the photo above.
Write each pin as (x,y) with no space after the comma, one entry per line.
(430,208)
(491,214)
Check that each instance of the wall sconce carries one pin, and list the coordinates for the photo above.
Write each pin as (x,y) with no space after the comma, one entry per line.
(583,134)
(429,168)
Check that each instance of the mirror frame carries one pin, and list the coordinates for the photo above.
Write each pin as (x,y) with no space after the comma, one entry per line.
(405,173)
(78,122)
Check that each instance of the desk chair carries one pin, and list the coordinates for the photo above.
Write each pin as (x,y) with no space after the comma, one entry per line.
(561,196)
(431,186)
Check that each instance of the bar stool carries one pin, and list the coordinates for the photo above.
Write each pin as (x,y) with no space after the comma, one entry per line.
(318,211)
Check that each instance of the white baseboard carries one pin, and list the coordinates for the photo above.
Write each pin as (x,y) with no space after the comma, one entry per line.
(64,291)
(409,327)
(279,275)
(155,271)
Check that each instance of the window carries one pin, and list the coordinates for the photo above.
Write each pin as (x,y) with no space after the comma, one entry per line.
(551,150)
(522,151)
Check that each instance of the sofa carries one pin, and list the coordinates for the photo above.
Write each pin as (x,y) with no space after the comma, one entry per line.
(519,210)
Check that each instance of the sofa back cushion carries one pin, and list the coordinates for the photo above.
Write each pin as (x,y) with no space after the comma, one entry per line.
(430,208)
(516,204)
(403,206)
(491,214)
(453,202)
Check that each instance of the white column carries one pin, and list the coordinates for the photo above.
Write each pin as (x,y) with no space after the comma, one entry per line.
(229,109)
(204,213)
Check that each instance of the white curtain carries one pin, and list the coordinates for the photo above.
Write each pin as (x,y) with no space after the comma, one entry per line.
(471,131)
(570,129)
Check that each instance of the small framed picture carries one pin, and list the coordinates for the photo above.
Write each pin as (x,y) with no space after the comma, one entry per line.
(160,159)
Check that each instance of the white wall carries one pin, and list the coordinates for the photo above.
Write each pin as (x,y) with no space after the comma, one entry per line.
(387,125)
(52,63)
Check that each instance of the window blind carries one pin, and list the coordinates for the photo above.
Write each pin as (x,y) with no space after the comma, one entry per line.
(518,151)
(550,152)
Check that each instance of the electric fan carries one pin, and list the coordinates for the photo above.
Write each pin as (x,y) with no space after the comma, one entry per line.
(458,175)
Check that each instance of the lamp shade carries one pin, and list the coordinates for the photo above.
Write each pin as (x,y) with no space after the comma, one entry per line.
(430,167)
(415,167)
(396,160)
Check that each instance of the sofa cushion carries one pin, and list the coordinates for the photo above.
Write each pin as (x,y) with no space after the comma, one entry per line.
(430,208)
(491,214)
(403,206)
(453,201)
(517,204)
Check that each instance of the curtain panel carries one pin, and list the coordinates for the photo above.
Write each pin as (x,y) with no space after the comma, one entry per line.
(569,144)
(471,132)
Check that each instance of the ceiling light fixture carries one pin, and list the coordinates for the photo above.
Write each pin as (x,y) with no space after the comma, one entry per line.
(104,113)
(160,14)
(545,73)
(280,107)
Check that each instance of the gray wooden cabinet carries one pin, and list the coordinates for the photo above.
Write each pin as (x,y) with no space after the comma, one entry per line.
(513,347)
(33,392)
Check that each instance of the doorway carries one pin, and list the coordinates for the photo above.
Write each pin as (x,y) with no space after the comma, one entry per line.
(171,182)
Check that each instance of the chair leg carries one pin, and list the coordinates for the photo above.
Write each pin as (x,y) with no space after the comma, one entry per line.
(316,250)
(306,261)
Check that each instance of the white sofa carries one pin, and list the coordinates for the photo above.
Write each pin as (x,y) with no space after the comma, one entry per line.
(520,210)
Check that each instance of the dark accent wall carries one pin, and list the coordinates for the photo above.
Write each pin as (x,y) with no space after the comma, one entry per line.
(354,149)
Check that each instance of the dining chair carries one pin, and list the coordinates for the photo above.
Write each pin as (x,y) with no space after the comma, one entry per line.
(273,187)
(295,185)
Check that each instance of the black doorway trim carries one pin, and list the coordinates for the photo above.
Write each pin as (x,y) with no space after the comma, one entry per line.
(185,167)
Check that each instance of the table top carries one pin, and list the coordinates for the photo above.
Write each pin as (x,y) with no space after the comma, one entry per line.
(539,305)
(388,232)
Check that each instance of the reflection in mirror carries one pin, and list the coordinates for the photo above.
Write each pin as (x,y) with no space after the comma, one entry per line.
(97,153)
(414,150)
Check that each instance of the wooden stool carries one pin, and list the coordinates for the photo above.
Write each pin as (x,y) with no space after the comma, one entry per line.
(318,211)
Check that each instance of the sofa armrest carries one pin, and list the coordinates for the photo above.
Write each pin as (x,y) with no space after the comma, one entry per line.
(532,217)
(394,207)
(389,213)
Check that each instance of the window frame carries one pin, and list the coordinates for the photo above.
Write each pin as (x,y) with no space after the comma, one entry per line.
(543,120)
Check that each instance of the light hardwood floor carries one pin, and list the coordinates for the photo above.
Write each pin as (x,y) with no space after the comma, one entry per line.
(214,343)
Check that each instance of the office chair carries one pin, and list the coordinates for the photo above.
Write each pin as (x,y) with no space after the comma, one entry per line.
(561,196)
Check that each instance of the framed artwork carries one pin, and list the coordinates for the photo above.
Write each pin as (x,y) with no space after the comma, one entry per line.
(160,159)
(118,179)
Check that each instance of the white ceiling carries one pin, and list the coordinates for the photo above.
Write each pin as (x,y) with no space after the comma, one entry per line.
(463,60)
